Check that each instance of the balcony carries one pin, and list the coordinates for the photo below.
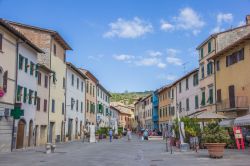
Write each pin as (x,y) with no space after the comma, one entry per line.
(238,103)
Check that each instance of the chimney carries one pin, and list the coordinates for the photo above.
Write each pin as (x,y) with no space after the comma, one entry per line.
(248,19)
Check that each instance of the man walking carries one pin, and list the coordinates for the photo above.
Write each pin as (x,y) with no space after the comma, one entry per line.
(110,135)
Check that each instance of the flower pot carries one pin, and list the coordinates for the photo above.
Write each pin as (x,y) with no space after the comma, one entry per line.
(215,150)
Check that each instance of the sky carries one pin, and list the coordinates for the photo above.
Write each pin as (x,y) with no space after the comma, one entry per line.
(131,45)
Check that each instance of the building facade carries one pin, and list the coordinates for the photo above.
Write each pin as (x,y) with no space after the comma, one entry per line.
(155,106)
(148,112)
(75,102)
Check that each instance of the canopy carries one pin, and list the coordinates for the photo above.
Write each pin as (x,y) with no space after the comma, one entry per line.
(210,115)
(227,123)
(242,121)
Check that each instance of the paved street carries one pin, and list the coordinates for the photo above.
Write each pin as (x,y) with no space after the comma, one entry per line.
(120,152)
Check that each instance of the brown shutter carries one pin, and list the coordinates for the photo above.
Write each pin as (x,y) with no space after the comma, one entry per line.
(219,95)
(5,81)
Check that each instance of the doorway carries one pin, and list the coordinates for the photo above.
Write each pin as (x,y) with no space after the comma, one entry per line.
(20,134)
(51,127)
(30,133)
(70,123)
(231,96)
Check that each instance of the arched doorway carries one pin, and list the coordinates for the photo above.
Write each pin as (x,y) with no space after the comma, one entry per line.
(30,132)
(20,133)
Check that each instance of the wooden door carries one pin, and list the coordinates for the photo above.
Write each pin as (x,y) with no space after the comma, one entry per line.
(51,126)
(231,96)
(20,134)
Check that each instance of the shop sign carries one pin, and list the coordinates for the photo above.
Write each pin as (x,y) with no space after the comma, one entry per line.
(239,138)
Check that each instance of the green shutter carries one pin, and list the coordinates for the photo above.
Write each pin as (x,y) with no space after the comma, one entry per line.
(209,46)
(36,72)
(24,94)
(196,102)
(35,98)
(31,68)
(211,96)
(26,65)
(201,53)
(30,96)
(20,62)
(54,77)
(203,99)
(19,93)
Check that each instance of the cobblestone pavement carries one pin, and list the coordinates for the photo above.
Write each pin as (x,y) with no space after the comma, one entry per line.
(119,153)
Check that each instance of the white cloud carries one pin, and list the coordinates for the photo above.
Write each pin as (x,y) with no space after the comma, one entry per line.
(150,62)
(155,53)
(171,57)
(166,26)
(161,65)
(217,29)
(96,58)
(124,57)
(129,28)
(241,23)
(167,77)
(224,17)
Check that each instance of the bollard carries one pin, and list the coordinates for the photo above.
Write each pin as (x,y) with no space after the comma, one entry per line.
(47,148)
(53,147)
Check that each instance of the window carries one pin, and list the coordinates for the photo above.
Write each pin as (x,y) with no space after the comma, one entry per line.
(217,65)
(180,87)
(54,49)
(31,68)
(77,83)
(202,71)
(46,81)
(26,65)
(160,113)
(209,47)
(196,102)
(54,78)
(64,83)
(93,91)
(187,84)
(45,105)
(19,93)
(235,57)
(172,93)
(24,95)
(30,96)
(39,78)
(81,107)
(82,86)
(76,105)
(20,64)
(90,89)
(218,95)
(180,107)
(187,104)
(35,97)
(87,106)
(209,68)
(53,105)
(203,98)
(38,104)
(1,42)
(211,100)
(87,87)
(195,79)
(72,79)
(72,103)
(62,108)
(201,52)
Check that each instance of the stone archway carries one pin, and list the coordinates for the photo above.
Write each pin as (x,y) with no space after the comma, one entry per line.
(20,133)
(30,133)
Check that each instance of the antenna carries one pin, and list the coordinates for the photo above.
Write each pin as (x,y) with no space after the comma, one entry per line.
(184,67)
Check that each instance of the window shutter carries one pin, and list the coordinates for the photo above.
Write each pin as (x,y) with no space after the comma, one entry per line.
(5,81)
(19,93)
(20,62)
(35,98)
(227,61)
(219,95)
(36,71)
(30,96)
(24,94)
(26,65)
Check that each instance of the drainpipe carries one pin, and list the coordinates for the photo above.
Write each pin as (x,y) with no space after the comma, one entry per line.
(215,90)
(65,100)
(48,128)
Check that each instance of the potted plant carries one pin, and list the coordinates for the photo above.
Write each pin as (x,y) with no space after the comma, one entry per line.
(215,139)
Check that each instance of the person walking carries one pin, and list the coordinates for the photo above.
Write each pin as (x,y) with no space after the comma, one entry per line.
(110,135)
(129,135)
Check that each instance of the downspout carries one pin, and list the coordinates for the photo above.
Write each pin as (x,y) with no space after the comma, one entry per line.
(15,96)
(49,92)
(215,90)
(65,100)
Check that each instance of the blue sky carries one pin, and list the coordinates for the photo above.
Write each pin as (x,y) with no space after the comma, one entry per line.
(127,44)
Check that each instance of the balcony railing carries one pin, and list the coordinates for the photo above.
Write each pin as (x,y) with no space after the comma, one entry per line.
(233,104)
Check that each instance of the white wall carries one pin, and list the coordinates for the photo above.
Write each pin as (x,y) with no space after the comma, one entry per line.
(101,99)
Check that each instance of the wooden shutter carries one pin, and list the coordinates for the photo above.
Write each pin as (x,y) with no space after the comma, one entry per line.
(38,104)
(5,81)
(24,94)
(35,98)
(45,105)
(219,95)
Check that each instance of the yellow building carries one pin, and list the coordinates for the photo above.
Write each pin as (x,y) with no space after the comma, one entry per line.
(232,78)
(164,110)
(55,48)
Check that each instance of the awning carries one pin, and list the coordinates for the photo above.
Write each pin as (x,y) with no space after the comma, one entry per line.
(242,121)
(227,123)
(210,115)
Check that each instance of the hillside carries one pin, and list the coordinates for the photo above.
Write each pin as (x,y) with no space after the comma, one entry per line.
(128,97)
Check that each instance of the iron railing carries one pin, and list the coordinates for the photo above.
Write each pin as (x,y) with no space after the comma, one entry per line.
(238,102)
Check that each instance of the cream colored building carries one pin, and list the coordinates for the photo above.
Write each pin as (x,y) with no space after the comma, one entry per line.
(55,48)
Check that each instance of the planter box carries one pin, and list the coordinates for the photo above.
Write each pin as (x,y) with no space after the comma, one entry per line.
(215,150)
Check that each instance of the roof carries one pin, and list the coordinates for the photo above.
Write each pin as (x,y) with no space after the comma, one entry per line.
(89,75)
(55,34)
(19,35)
(164,87)
(76,70)
(44,67)
(231,46)
(186,75)
(216,34)
(107,92)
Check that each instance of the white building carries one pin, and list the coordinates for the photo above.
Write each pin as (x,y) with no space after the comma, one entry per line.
(75,102)
(187,92)
(26,93)
(114,118)
(103,107)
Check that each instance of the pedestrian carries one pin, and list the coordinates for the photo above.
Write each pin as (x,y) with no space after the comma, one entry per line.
(129,135)
(145,135)
(110,135)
